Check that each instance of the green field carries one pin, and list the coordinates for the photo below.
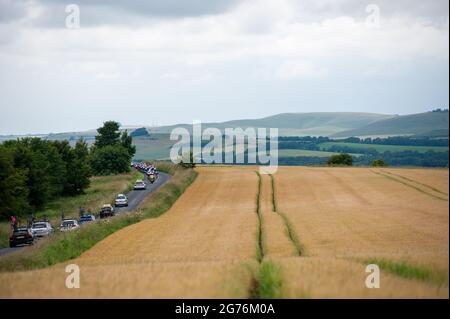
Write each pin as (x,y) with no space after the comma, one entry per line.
(385,148)
(306,153)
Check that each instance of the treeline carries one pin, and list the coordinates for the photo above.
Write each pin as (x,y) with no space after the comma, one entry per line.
(34,171)
(404,158)
(312,143)
(398,140)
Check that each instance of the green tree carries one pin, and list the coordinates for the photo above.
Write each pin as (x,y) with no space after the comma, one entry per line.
(340,160)
(379,163)
(127,142)
(13,186)
(108,134)
(77,166)
(111,159)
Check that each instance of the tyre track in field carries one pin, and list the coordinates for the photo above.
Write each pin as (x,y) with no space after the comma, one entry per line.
(416,182)
(409,184)
(291,233)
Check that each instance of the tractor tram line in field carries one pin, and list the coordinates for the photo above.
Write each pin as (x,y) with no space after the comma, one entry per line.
(410,183)
(290,232)
(416,182)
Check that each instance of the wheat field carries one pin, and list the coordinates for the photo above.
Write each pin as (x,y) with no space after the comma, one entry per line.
(320,226)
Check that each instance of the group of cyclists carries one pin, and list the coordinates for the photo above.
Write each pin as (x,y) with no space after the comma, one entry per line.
(148,169)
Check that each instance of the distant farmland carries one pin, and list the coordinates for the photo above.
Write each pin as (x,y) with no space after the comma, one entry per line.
(384,148)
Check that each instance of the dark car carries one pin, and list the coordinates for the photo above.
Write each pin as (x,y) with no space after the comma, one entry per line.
(21,236)
(106,211)
(86,219)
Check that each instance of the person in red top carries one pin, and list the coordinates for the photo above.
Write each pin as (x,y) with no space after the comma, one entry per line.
(13,222)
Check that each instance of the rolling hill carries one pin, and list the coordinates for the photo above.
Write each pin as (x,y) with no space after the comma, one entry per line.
(423,124)
(297,124)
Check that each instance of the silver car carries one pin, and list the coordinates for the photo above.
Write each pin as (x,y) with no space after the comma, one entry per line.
(68,225)
(121,200)
(139,185)
(41,229)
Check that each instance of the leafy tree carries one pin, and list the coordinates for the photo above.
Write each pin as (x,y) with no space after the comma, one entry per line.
(111,159)
(108,134)
(127,142)
(340,160)
(77,165)
(379,163)
(13,186)
(112,151)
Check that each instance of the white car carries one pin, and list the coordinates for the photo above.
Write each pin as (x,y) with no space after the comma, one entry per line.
(41,229)
(69,224)
(121,200)
(139,185)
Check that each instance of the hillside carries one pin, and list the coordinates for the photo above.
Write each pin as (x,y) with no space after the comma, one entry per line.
(424,124)
(297,124)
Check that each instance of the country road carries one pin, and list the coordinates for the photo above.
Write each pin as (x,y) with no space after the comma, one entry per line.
(135,197)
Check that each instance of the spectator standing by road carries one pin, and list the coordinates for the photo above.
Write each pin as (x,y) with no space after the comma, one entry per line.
(13,223)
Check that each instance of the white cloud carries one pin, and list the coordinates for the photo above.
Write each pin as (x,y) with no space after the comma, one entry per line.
(261,40)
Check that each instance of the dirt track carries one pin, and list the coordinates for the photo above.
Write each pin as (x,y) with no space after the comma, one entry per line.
(206,244)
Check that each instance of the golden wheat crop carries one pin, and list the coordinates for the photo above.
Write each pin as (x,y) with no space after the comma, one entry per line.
(320,226)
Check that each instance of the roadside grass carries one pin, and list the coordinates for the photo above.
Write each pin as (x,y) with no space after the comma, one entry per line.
(102,190)
(410,271)
(65,246)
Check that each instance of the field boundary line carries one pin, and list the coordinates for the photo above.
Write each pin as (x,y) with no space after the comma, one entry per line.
(290,232)
(409,185)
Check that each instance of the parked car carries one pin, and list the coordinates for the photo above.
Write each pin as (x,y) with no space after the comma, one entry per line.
(121,200)
(21,236)
(139,185)
(107,211)
(86,219)
(41,229)
(68,225)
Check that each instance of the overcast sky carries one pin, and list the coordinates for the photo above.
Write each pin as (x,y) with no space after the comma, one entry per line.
(162,62)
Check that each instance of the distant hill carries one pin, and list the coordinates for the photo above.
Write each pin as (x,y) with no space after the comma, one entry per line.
(422,124)
(294,124)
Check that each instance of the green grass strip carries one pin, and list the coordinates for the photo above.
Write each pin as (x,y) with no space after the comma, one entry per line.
(409,271)
(269,281)
(259,234)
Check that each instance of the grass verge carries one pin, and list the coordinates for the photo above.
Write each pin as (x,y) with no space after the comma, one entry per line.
(102,190)
(65,246)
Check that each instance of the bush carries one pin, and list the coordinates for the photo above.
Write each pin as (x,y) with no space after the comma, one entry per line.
(340,160)
(379,163)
